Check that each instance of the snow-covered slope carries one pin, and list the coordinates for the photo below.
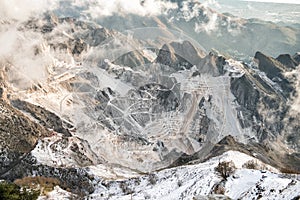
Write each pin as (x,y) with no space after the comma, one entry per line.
(58,194)
(200,181)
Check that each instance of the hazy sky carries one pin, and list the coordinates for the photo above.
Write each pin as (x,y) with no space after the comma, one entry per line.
(287,11)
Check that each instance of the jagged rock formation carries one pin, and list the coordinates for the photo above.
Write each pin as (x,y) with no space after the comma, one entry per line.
(132,59)
(178,55)
(77,37)
(296,57)
(288,61)
(266,94)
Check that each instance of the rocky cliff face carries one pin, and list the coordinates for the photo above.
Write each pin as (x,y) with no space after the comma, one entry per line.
(18,136)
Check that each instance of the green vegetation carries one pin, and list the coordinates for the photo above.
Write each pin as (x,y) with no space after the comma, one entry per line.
(11,191)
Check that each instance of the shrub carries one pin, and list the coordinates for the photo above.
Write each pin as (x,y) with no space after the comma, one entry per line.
(251,164)
(179,183)
(219,189)
(12,191)
(125,188)
(137,181)
(225,169)
(153,179)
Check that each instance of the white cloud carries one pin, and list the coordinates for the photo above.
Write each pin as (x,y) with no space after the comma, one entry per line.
(22,10)
(25,67)
(196,11)
(103,8)
(295,104)
(210,3)
(210,26)
(7,41)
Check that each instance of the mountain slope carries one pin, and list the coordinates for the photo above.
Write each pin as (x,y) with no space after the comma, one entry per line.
(202,181)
